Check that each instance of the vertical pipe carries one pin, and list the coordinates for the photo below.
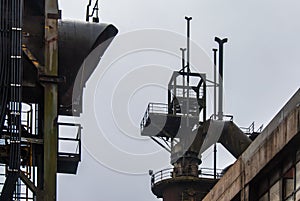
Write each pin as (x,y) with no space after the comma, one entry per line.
(175,100)
(188,67)
(215,161)
(183,59)
(221,45)
(183,69)
(188,46)
(204,97)
(215,82)
(215,108)
(87,17)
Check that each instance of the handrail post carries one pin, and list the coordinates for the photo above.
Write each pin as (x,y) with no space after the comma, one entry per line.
(79,132)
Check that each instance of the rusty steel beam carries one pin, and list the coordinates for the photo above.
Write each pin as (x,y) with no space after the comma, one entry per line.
(50,101)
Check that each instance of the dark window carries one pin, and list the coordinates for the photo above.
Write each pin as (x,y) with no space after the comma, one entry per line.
(288,183)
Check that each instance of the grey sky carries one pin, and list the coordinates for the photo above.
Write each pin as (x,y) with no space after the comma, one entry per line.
(261,73)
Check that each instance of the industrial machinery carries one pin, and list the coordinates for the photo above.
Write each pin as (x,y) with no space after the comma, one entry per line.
(41,58)
(182,128)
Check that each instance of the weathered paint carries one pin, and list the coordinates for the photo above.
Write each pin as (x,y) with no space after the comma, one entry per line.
(50,103)
(282,129)
(188,187)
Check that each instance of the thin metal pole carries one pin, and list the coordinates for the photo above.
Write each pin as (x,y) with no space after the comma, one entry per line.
(188,68)
(221,45)
(215,82)
(188,47)
(183,59)
(183,68)
(215,161)
(87,18)
(215,109)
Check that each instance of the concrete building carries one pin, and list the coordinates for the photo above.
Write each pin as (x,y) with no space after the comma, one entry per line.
(269,169)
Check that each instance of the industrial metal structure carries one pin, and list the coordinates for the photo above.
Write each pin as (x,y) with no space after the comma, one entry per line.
(182,128)
(41,58)
(269,169)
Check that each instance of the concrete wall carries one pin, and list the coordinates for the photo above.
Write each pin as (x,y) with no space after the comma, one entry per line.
(280,131)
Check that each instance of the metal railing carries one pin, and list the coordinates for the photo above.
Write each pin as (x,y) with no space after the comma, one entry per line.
(182,92)
(168,174)
(162,108)
(259,130)
(76,140)
(158,108)
(27,118)
(251,129)
(226,117)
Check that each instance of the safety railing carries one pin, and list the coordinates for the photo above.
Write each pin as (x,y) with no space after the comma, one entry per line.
(251,129)
(71,145)
(28,121)
(158,108)
(27,117)
(168,174)
(225,117)
(259,130)
(2,175)
(184,92)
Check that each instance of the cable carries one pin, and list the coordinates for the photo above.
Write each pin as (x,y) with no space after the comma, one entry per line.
(11,80)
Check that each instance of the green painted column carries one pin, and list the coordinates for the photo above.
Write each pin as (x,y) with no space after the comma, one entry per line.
(50,101)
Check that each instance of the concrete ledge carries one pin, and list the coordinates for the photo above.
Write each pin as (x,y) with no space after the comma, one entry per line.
(284,126)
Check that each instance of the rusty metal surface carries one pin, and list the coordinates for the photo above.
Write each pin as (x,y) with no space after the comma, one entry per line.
(174,189)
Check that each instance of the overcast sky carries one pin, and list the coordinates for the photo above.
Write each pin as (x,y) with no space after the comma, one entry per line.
(261,72)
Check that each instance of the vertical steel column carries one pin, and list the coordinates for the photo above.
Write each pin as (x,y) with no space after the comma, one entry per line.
(215,108)
(50,101)
(221,46)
